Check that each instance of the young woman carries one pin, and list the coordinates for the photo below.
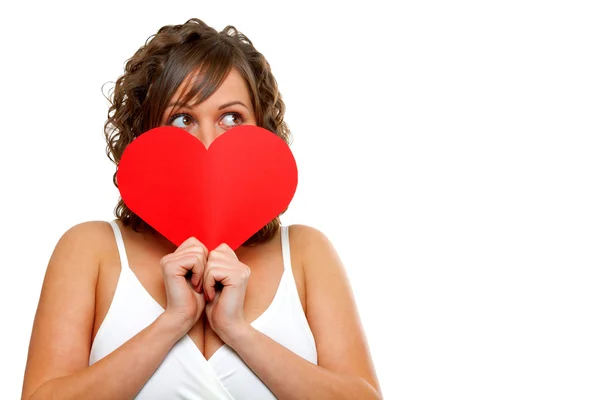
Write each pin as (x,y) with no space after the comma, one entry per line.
(119,316)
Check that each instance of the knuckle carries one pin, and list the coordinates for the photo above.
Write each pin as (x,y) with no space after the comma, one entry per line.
(222,246)
(196,242)
(165,260)
(187,241)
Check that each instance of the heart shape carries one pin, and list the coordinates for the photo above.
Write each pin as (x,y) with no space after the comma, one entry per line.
(225,194)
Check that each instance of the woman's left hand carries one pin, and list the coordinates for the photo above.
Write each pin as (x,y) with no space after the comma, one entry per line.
(225,307)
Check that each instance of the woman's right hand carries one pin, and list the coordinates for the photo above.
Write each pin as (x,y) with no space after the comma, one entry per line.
(185,300)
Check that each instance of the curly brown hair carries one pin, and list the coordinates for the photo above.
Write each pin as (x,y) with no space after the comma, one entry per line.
(154,73)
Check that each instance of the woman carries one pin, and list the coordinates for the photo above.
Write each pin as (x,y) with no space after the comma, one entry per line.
(125,314)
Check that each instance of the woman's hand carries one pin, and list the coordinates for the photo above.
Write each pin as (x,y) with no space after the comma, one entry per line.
(225,307)
(185,300)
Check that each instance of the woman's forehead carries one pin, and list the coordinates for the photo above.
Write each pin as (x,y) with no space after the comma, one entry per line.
(233,85)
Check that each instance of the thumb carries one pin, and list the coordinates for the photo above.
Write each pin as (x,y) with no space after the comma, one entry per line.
(199,297)
(211,303)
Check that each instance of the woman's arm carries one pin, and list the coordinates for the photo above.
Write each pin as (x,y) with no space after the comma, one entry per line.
(57,364)
(345,369)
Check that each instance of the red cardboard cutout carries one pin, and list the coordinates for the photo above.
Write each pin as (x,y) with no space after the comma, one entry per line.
(225,194)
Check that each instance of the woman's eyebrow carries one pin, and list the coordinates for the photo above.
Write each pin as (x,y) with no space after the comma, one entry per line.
(231,103)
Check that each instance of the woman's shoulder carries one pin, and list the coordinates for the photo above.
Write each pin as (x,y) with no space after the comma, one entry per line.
(304,230)
(90,232)
(75,261)
(87,239)
(307,236)
(313,246)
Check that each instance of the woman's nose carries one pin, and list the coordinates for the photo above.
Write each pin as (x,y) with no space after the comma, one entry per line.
(206,133)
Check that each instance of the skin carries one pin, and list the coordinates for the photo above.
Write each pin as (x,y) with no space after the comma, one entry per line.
(83,271)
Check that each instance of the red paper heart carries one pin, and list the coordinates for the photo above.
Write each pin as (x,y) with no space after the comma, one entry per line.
(225,194)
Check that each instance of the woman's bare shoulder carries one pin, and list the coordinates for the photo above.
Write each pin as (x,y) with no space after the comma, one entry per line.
(305,233)
(89,229)
(315,252)
(96,231)
(309,241)
(88,239)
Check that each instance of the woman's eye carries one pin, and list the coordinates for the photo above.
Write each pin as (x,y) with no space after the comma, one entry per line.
(181,121)
(231,120)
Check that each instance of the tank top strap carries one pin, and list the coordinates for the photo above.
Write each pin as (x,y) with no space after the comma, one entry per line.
(285,248)
(120,246)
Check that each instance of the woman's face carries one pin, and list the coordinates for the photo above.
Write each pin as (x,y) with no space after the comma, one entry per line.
(227,107)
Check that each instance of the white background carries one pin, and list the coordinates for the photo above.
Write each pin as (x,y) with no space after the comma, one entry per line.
(449,150)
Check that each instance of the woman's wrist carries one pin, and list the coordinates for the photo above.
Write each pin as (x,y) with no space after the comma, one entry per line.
(173,325)
(238,336)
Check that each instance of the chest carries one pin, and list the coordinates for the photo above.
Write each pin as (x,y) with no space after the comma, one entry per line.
(143,256)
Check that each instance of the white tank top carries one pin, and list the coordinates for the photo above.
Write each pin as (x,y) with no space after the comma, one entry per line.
(185,373)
